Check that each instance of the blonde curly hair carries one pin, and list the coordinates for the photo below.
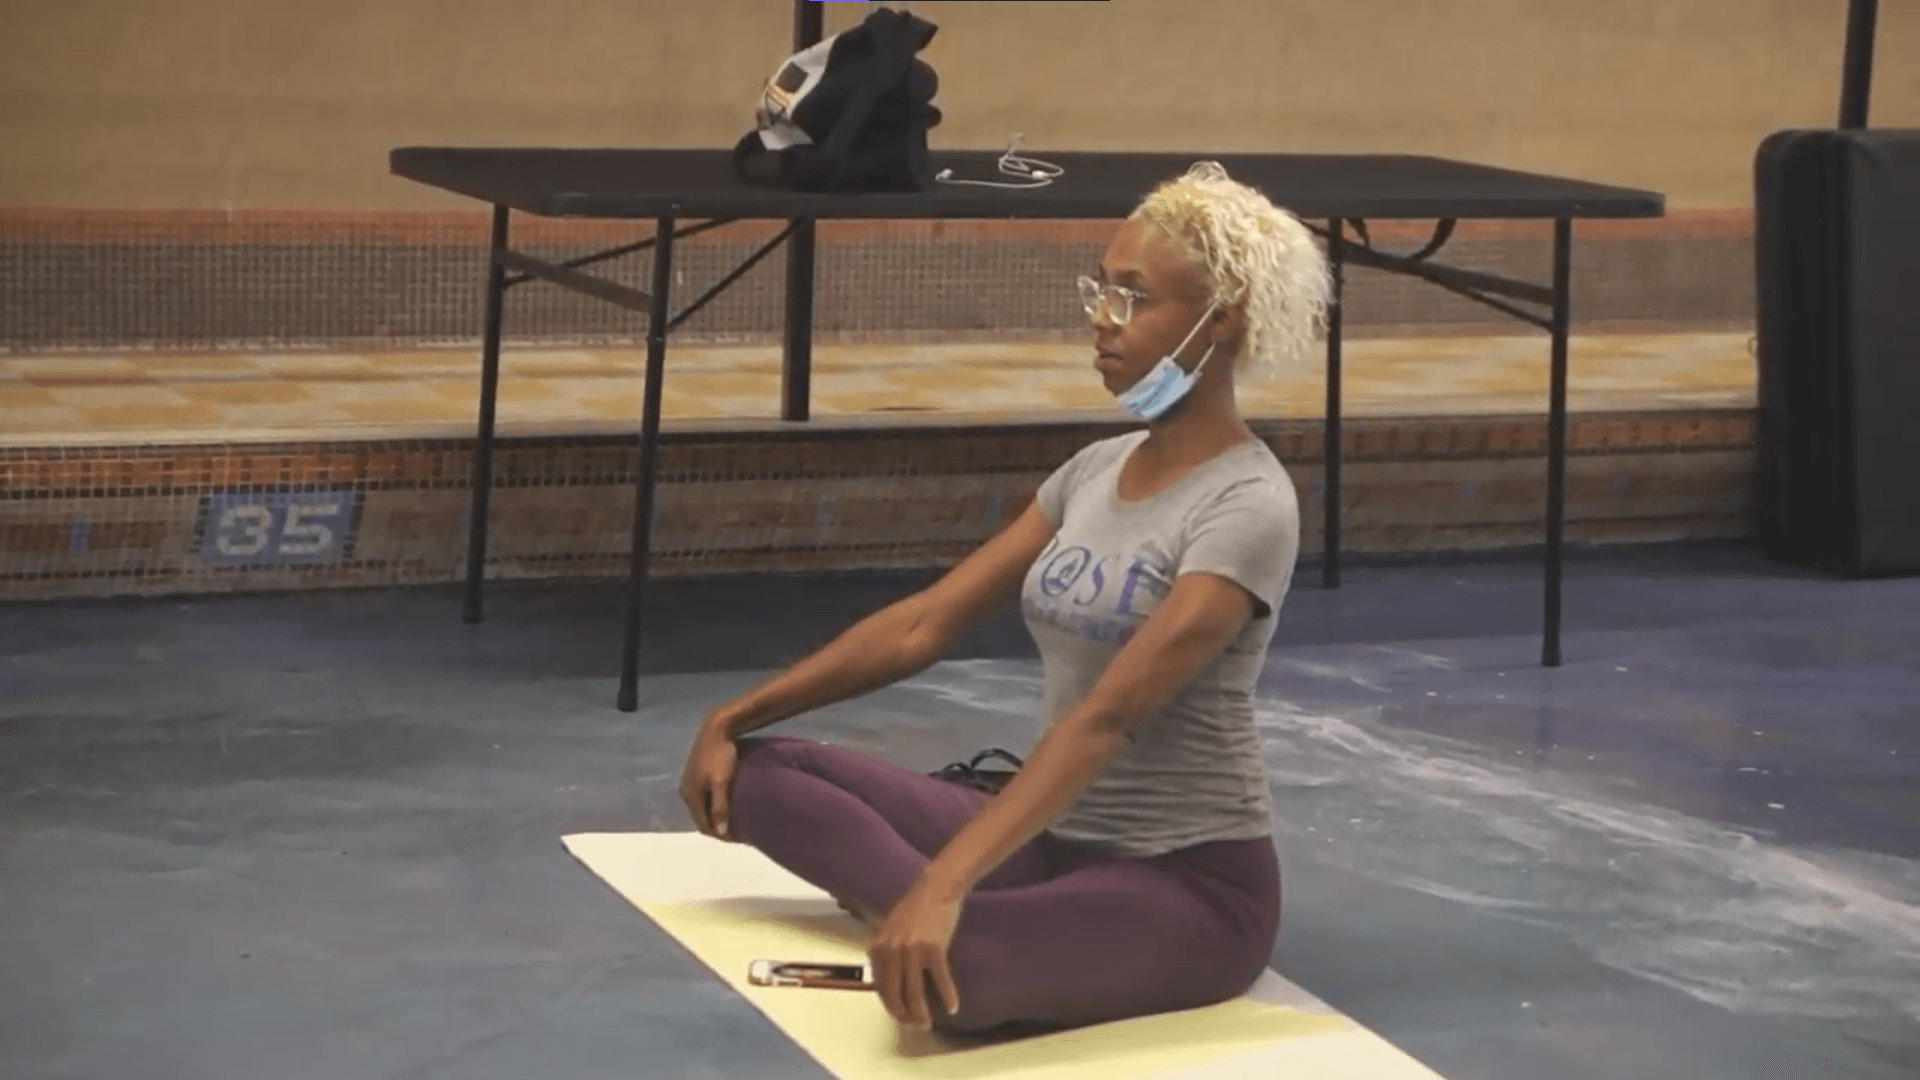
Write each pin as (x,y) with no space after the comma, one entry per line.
(1246,247)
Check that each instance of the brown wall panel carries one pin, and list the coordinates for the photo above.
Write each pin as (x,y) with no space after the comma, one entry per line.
(241,103)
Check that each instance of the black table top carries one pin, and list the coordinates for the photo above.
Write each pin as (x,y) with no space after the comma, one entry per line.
(610,183)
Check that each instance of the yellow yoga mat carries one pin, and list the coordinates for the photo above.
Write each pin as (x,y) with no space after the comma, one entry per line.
(729,905)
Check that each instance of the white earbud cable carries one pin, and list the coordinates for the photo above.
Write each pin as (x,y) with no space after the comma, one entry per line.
(1034,172)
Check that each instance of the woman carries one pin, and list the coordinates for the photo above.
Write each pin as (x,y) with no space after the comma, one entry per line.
(1128,868)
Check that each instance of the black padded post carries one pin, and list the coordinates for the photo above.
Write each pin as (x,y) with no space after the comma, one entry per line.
(1856,74)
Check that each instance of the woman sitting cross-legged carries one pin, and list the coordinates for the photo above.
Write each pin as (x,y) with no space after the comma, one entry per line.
(1128,867)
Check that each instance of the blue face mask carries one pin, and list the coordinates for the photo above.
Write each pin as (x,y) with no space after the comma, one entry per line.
(1163,387)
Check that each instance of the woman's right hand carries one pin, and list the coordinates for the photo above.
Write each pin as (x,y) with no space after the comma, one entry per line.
(707,784)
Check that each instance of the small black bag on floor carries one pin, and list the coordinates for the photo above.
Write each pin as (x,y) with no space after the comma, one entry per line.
(972,775)
(848,114)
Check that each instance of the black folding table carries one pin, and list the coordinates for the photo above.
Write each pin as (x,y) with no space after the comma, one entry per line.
(674,186)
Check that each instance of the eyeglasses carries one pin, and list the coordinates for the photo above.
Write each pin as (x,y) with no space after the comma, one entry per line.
(1117,300)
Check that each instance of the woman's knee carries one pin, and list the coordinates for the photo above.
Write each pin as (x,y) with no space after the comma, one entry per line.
(1001,985)
(767,748)
(759,795)
(975,965)
(762,758)
(1001,992)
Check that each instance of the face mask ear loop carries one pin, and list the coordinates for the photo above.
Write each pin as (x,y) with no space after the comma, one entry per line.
(1184,342)
(1204,357)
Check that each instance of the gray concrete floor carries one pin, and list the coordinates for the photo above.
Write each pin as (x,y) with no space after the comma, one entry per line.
(318,835)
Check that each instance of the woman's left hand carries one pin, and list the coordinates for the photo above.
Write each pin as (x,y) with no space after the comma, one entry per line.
(909,947)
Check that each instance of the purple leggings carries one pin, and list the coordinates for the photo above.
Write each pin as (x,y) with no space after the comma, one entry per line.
(1060,934)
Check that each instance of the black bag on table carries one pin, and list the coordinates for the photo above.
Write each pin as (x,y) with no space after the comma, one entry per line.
(1837,258)
(848,114)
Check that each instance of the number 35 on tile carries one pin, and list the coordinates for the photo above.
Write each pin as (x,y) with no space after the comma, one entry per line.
(275,528)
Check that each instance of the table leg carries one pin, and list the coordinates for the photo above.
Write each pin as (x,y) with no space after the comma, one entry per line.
(809,23)
(1330,485)
(1557,438)
(649,465)
(796,372)
(482,485)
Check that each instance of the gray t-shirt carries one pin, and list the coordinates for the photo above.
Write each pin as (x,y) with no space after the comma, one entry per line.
(1194,772)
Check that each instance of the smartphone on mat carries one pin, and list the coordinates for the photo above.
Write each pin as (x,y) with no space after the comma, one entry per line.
(809,976)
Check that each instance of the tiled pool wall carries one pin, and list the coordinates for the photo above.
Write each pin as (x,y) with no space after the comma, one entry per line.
(854,494)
